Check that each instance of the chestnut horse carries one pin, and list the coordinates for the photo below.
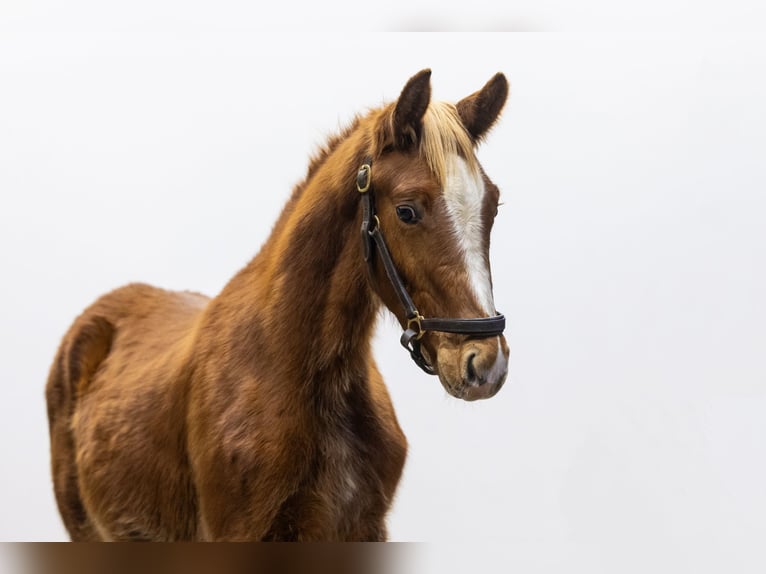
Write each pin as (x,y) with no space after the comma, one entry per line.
(260,414)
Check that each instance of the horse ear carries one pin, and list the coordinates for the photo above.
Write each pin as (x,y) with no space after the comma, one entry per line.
(480,110)
(410,109)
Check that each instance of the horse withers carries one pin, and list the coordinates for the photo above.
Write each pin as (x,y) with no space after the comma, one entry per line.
(260,414)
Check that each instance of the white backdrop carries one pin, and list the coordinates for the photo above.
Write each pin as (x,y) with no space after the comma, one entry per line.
(628,256)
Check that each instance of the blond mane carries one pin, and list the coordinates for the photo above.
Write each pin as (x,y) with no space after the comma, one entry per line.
(444,137)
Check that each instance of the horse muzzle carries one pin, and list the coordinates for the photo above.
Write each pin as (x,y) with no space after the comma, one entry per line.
(473,369)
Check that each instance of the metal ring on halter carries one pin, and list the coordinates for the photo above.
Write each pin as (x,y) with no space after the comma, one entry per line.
(417,320)
(364,178)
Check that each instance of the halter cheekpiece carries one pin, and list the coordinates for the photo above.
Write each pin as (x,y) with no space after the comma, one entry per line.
(417,325)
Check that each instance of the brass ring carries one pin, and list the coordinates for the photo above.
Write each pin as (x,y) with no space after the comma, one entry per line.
(368,172)
(372,229)
(417,319)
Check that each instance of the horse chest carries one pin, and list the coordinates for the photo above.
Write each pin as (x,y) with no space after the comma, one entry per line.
(341,480)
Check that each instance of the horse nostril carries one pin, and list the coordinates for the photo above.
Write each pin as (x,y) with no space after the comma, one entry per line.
(471,371)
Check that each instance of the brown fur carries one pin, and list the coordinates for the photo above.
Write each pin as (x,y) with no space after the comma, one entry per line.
(260,414)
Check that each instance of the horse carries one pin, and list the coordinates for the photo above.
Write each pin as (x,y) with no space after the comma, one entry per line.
(260,414)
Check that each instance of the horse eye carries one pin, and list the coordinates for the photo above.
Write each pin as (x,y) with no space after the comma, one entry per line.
(406,214)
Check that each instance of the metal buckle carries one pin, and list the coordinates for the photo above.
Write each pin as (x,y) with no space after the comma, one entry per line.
(416,319)
(375,224)
(364,178)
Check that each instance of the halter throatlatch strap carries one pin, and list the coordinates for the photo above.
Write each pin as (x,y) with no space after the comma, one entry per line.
(417,325)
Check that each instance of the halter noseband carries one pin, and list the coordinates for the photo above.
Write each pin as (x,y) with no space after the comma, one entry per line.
(417,325)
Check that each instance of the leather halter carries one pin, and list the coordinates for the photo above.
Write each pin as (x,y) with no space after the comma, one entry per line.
(417,325)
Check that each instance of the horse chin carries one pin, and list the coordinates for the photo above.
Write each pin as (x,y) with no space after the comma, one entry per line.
(470,392)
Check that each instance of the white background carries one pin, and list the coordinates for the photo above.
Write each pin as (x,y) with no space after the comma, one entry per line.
(159,144)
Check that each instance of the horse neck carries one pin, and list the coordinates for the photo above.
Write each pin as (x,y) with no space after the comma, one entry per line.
(303,308)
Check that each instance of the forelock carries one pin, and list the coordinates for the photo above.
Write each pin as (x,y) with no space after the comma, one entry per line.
(443,138)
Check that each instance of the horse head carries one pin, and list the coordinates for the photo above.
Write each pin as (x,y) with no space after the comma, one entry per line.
(436,206)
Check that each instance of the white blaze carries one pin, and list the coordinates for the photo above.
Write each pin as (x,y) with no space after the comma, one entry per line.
(464,196)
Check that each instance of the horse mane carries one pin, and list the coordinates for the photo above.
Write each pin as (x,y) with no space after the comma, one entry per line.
(320,156)
(443,136)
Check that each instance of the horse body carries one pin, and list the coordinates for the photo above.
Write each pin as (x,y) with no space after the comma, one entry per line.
(258,414)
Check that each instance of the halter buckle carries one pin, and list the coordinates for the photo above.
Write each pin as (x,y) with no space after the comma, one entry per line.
(374,224)
(416,319)
(363,178)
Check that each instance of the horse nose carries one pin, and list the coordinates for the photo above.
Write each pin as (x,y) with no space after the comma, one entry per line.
(485,367)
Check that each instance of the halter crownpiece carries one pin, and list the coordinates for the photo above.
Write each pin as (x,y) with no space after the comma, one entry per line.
(417,325)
